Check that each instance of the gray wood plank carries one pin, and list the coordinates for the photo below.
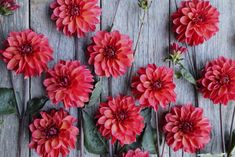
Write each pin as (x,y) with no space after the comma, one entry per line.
(63,49)
(185,91)
(10,127)
(152,46)
(66,48)
(220,45)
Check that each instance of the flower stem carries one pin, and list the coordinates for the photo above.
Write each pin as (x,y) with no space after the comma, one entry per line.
(135,48)
(110,93)
(140,30)
(158,136)
(81,133)
(114,17)
(221,129)
(231,130)
(164,143)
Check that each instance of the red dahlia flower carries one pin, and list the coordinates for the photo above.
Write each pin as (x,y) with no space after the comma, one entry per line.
(111,53)
(75,17)
(27,52)
(53,134)
(186,128)
(69,82)
(120,119)
(177,50)
(8,6)
(195,21)
(218,80)
(136,153)
(154,86)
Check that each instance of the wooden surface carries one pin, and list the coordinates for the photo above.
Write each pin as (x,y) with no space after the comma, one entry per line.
(153,47)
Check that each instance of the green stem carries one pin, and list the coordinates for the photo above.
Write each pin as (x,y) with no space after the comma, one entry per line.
(221,128)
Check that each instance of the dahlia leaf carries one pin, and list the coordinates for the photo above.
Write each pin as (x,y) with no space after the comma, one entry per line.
(35,104)
(93,140)
(231,151)
(8,102)
(149,140)
(187,76)
(95,96)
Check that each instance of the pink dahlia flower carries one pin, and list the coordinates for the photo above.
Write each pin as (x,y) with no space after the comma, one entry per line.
(195,21)
(186,128)
(27,53)
(218,80)
(120,120)
(111,53)
(136,153)
(69,82)
(177,50)
(75,17)
(154,86)
(53,134)
(8,6)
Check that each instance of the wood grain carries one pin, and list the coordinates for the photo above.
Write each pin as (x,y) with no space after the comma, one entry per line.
(153,46)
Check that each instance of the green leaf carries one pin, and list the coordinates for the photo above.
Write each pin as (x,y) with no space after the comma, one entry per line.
(149,134)
(35,104)
(93,140)
(8,102)
(95,96)
(178,74)
(187,76)
(149,139)
(231,151)
(5,11)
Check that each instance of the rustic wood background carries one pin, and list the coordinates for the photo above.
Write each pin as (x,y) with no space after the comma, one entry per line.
(153,47)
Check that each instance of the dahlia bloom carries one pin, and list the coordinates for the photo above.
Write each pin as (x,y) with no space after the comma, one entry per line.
(177,50)
(120,120)
(75,17)
(154,86)
(218,80)
(69,82)
(111,53)
(136,153)
(195,21)
(53,134)
(8,6)
(27,53)
(186,128)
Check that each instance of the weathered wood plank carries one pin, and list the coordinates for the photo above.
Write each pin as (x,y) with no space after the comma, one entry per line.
(184,90)
(63,47)
(10,127)
(220,45)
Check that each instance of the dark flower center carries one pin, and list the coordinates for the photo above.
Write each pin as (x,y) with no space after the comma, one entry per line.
(186,127)
(109,51)
(225,80)
(157,84)
(26,49)
(198,18)
(64,81)
(51,132)
(121,115)
(75,10)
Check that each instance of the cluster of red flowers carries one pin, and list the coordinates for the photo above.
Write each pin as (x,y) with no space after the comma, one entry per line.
(111,54)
